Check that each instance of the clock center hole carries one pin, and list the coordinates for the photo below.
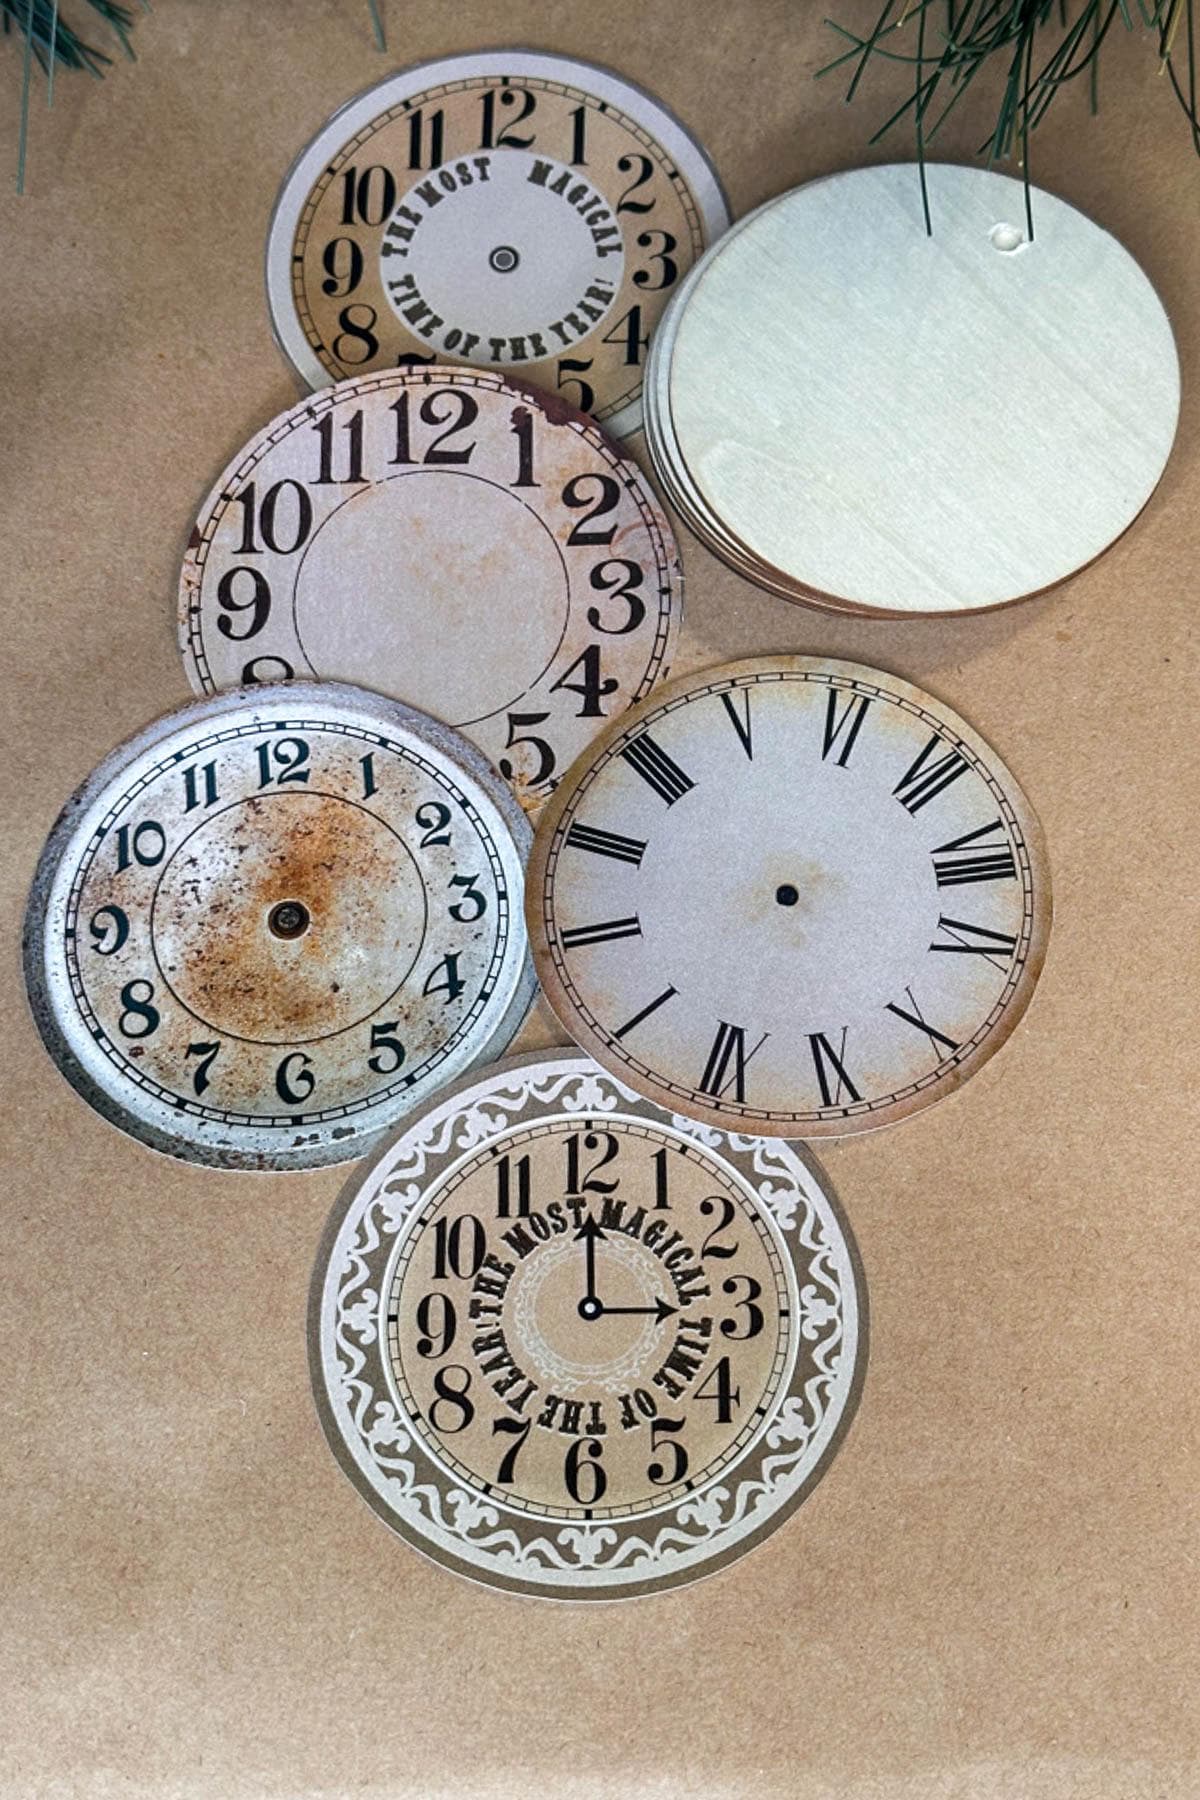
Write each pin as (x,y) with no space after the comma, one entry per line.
(1007,238)
(290,919)
(786,894)
(504,259)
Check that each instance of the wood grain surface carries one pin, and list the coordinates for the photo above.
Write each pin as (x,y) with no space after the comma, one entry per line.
(992,1596)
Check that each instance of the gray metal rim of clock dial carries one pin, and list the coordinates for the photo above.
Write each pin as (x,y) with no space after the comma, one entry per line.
(45,986)
(1090,376)
(457,1122)
(603,82)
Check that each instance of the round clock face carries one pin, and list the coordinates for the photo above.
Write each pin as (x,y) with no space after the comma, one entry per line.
(567,1343)
(790,896)
(508,209)
(449,538)
(266,928)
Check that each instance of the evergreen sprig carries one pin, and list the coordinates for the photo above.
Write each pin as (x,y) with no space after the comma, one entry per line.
(948,42)
(51,42)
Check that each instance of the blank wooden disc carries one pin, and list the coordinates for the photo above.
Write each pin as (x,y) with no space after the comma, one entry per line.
(913,423)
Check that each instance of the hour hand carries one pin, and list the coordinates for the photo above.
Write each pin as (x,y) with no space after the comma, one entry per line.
(660,1310)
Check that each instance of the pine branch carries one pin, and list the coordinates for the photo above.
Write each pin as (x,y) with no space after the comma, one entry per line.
(947,42)
(51,42)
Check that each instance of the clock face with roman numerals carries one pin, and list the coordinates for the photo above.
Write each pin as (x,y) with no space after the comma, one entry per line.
(452,539)
(567,1343)
(790,896)
(508,209)
(266,928)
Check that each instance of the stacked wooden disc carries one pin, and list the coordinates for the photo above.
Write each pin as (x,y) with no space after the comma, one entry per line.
(861,415)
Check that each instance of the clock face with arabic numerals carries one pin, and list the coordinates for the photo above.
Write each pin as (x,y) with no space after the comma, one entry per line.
(566,1343)
(266,928)
(792,896)
(509,209)
(445,536)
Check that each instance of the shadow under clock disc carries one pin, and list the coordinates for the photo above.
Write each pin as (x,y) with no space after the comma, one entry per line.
(569,1345)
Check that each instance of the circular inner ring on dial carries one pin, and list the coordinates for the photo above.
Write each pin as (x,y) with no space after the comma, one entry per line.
(418,609)
(677,1327)
(500,248)
(312,861)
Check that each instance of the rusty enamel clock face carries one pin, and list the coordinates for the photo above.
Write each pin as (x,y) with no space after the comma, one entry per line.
(268,926)
(510,209)
(566,1343)
(447,538)
(790,896)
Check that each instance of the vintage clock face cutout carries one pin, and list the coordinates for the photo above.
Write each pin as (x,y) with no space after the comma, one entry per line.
(508,208)
(568,1344)
(266,928)
(855,412)
(448,538)
(790,896)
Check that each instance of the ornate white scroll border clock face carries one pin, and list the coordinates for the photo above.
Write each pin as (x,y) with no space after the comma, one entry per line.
(407,1473)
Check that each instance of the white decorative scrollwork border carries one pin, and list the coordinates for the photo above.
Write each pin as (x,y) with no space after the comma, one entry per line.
(480,1536)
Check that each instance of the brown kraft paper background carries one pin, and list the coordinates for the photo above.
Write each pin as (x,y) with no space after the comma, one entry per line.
(992,1594)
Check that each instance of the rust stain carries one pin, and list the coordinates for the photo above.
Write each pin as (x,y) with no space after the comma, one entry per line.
(231,968)
(555,408)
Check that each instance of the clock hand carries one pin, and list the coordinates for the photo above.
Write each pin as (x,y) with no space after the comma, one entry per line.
(589,1231)
(660,1310)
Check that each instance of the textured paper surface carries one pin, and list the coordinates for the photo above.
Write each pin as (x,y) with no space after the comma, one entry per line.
(992,1595)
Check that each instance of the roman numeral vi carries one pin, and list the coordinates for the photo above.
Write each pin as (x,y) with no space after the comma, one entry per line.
(729,1048)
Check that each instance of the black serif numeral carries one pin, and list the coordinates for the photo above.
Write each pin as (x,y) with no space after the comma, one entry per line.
(841,728)
(980,855)
(916,1017)
(601,934)
(657,769)
(975,940)
(727,1060)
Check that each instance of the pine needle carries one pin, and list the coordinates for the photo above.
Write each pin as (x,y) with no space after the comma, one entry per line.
(50,41)
(947,42)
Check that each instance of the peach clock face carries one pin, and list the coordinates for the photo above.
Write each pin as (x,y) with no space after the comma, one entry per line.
(266,929)
(790,896)
(509,209)
(566,1343)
